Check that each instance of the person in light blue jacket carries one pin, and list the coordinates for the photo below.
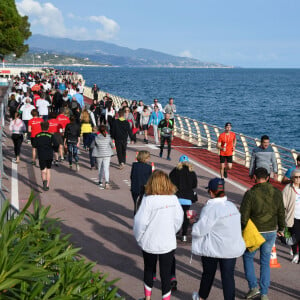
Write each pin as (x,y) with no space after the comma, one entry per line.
(154,120)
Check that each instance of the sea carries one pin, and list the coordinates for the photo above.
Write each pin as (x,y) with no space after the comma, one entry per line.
(255,101)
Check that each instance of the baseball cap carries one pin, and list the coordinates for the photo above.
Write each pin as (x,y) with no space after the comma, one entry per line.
(183,158)
(216,184)
(228,124)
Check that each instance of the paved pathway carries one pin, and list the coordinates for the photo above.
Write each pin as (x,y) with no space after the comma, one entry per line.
(100,221)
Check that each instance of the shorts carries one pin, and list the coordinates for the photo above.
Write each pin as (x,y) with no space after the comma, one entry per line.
(227,158)
(45,164)
(33,142)
(145,127)
(59,140)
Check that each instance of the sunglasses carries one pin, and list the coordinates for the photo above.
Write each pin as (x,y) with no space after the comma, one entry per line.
(297,177)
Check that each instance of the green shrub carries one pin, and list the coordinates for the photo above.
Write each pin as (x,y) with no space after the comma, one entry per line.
(38,262)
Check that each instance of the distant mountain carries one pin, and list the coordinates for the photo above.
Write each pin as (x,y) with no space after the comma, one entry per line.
(111,54)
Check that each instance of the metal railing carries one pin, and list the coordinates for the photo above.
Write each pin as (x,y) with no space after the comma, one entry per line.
(12,211)
(205,135)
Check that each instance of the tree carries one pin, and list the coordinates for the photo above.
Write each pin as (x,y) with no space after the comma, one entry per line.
(14,29)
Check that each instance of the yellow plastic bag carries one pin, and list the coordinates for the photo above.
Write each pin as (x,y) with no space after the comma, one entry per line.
(253,239)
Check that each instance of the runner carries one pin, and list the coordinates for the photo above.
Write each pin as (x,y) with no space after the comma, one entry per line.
(55,129)
(34,127)
(226,144)
(165,127)
(45,143)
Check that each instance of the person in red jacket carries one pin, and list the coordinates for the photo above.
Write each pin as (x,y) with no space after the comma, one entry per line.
(34,127)
(55,128)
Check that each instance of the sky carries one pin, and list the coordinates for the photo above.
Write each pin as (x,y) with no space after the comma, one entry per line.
(256,33)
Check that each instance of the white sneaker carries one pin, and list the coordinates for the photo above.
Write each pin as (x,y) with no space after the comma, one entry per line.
(195,296)
(77,167)
(295,259)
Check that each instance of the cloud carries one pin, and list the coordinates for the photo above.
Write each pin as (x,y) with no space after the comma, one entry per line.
(47,19)
(45,16)
(186,53)
(109,29)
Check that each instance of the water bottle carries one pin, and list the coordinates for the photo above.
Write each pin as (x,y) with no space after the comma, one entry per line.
(195,296)
(224,147)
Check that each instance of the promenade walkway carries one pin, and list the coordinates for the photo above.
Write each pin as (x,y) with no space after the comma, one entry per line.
(101,221)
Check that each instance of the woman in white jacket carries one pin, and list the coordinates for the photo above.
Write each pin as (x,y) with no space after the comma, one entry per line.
(156,223)
(217,237)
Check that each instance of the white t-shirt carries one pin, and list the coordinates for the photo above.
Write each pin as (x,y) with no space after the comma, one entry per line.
(297,204)
(26,111)
(42,106)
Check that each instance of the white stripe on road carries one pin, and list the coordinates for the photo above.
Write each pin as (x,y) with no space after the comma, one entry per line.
(14,186)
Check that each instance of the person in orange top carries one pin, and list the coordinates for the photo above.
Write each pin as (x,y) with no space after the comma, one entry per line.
(226,144)
(63,120)
(34,127)
(55,129)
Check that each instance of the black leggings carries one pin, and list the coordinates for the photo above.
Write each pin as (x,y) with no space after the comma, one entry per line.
(295,230)
(17,140)
(162,144)
(165,265)
(186,221)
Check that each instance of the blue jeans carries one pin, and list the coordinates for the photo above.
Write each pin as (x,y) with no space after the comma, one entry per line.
(265,255)
(72,151)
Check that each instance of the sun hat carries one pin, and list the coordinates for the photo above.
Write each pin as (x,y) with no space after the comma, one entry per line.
(216,184)
(183,158)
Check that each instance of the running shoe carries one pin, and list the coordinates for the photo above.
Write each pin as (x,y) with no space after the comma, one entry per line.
(77,167)
(121,166)
(295,259)
(160,154)
(173,284)
(33,163)
(252,293)
(225,173)
(168,158)
(56,163)
(70,166)
(45,185)
(264,297)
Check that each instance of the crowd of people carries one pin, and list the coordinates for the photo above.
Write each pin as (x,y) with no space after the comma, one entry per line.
(51,114)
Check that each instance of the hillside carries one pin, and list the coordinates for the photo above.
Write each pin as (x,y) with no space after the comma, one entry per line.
(111,54)
(44,58)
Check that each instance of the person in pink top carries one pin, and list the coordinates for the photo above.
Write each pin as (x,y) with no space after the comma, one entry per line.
(17,128)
